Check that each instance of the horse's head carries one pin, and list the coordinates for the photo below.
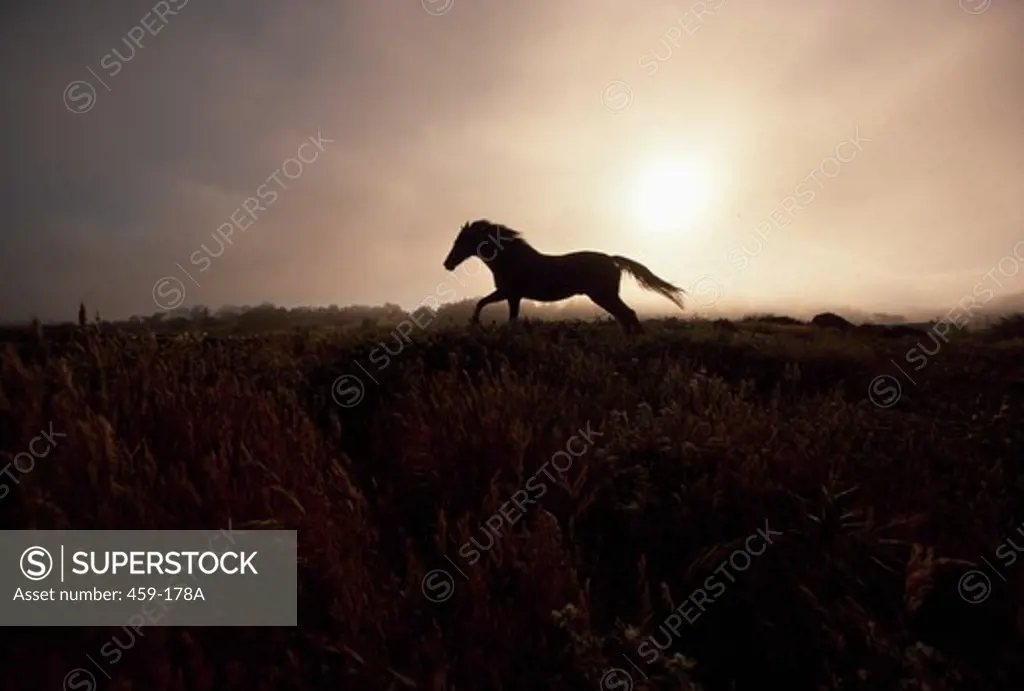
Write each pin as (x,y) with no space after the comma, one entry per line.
(472,239)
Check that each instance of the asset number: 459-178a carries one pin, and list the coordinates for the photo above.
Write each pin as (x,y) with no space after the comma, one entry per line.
(167,594)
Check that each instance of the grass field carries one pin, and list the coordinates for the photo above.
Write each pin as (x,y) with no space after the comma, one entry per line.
(538,508)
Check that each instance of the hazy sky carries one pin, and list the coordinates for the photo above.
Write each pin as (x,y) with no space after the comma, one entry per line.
(446,111)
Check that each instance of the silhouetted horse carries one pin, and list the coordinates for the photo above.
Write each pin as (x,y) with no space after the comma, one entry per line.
(520,272)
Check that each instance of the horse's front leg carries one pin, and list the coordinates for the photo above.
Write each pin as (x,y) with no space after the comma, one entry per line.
(513,308)
(496,296)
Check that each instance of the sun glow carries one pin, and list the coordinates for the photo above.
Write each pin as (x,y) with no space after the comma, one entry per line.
(671,194)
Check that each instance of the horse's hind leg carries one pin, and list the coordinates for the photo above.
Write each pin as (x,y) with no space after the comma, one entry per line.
(614,305)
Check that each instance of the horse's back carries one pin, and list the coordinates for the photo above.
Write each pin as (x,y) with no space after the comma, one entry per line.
(589,262)
(586,256)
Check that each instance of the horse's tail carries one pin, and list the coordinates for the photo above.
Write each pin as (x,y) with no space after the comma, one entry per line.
(649,281)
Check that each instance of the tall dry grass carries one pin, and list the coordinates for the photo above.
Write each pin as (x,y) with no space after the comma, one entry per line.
(706,432)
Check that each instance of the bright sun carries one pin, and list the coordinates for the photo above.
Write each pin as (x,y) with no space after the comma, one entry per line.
(670,194)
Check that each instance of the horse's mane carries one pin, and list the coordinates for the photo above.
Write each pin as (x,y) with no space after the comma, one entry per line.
(505,232)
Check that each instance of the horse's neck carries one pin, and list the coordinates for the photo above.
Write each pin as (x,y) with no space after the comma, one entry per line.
(520,251)
(515,254)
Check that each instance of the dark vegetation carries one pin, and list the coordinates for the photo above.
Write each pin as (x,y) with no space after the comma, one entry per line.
(247,319)
(708,430)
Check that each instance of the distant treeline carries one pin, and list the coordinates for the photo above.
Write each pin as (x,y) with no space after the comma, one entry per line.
(232,319)
(270,317)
